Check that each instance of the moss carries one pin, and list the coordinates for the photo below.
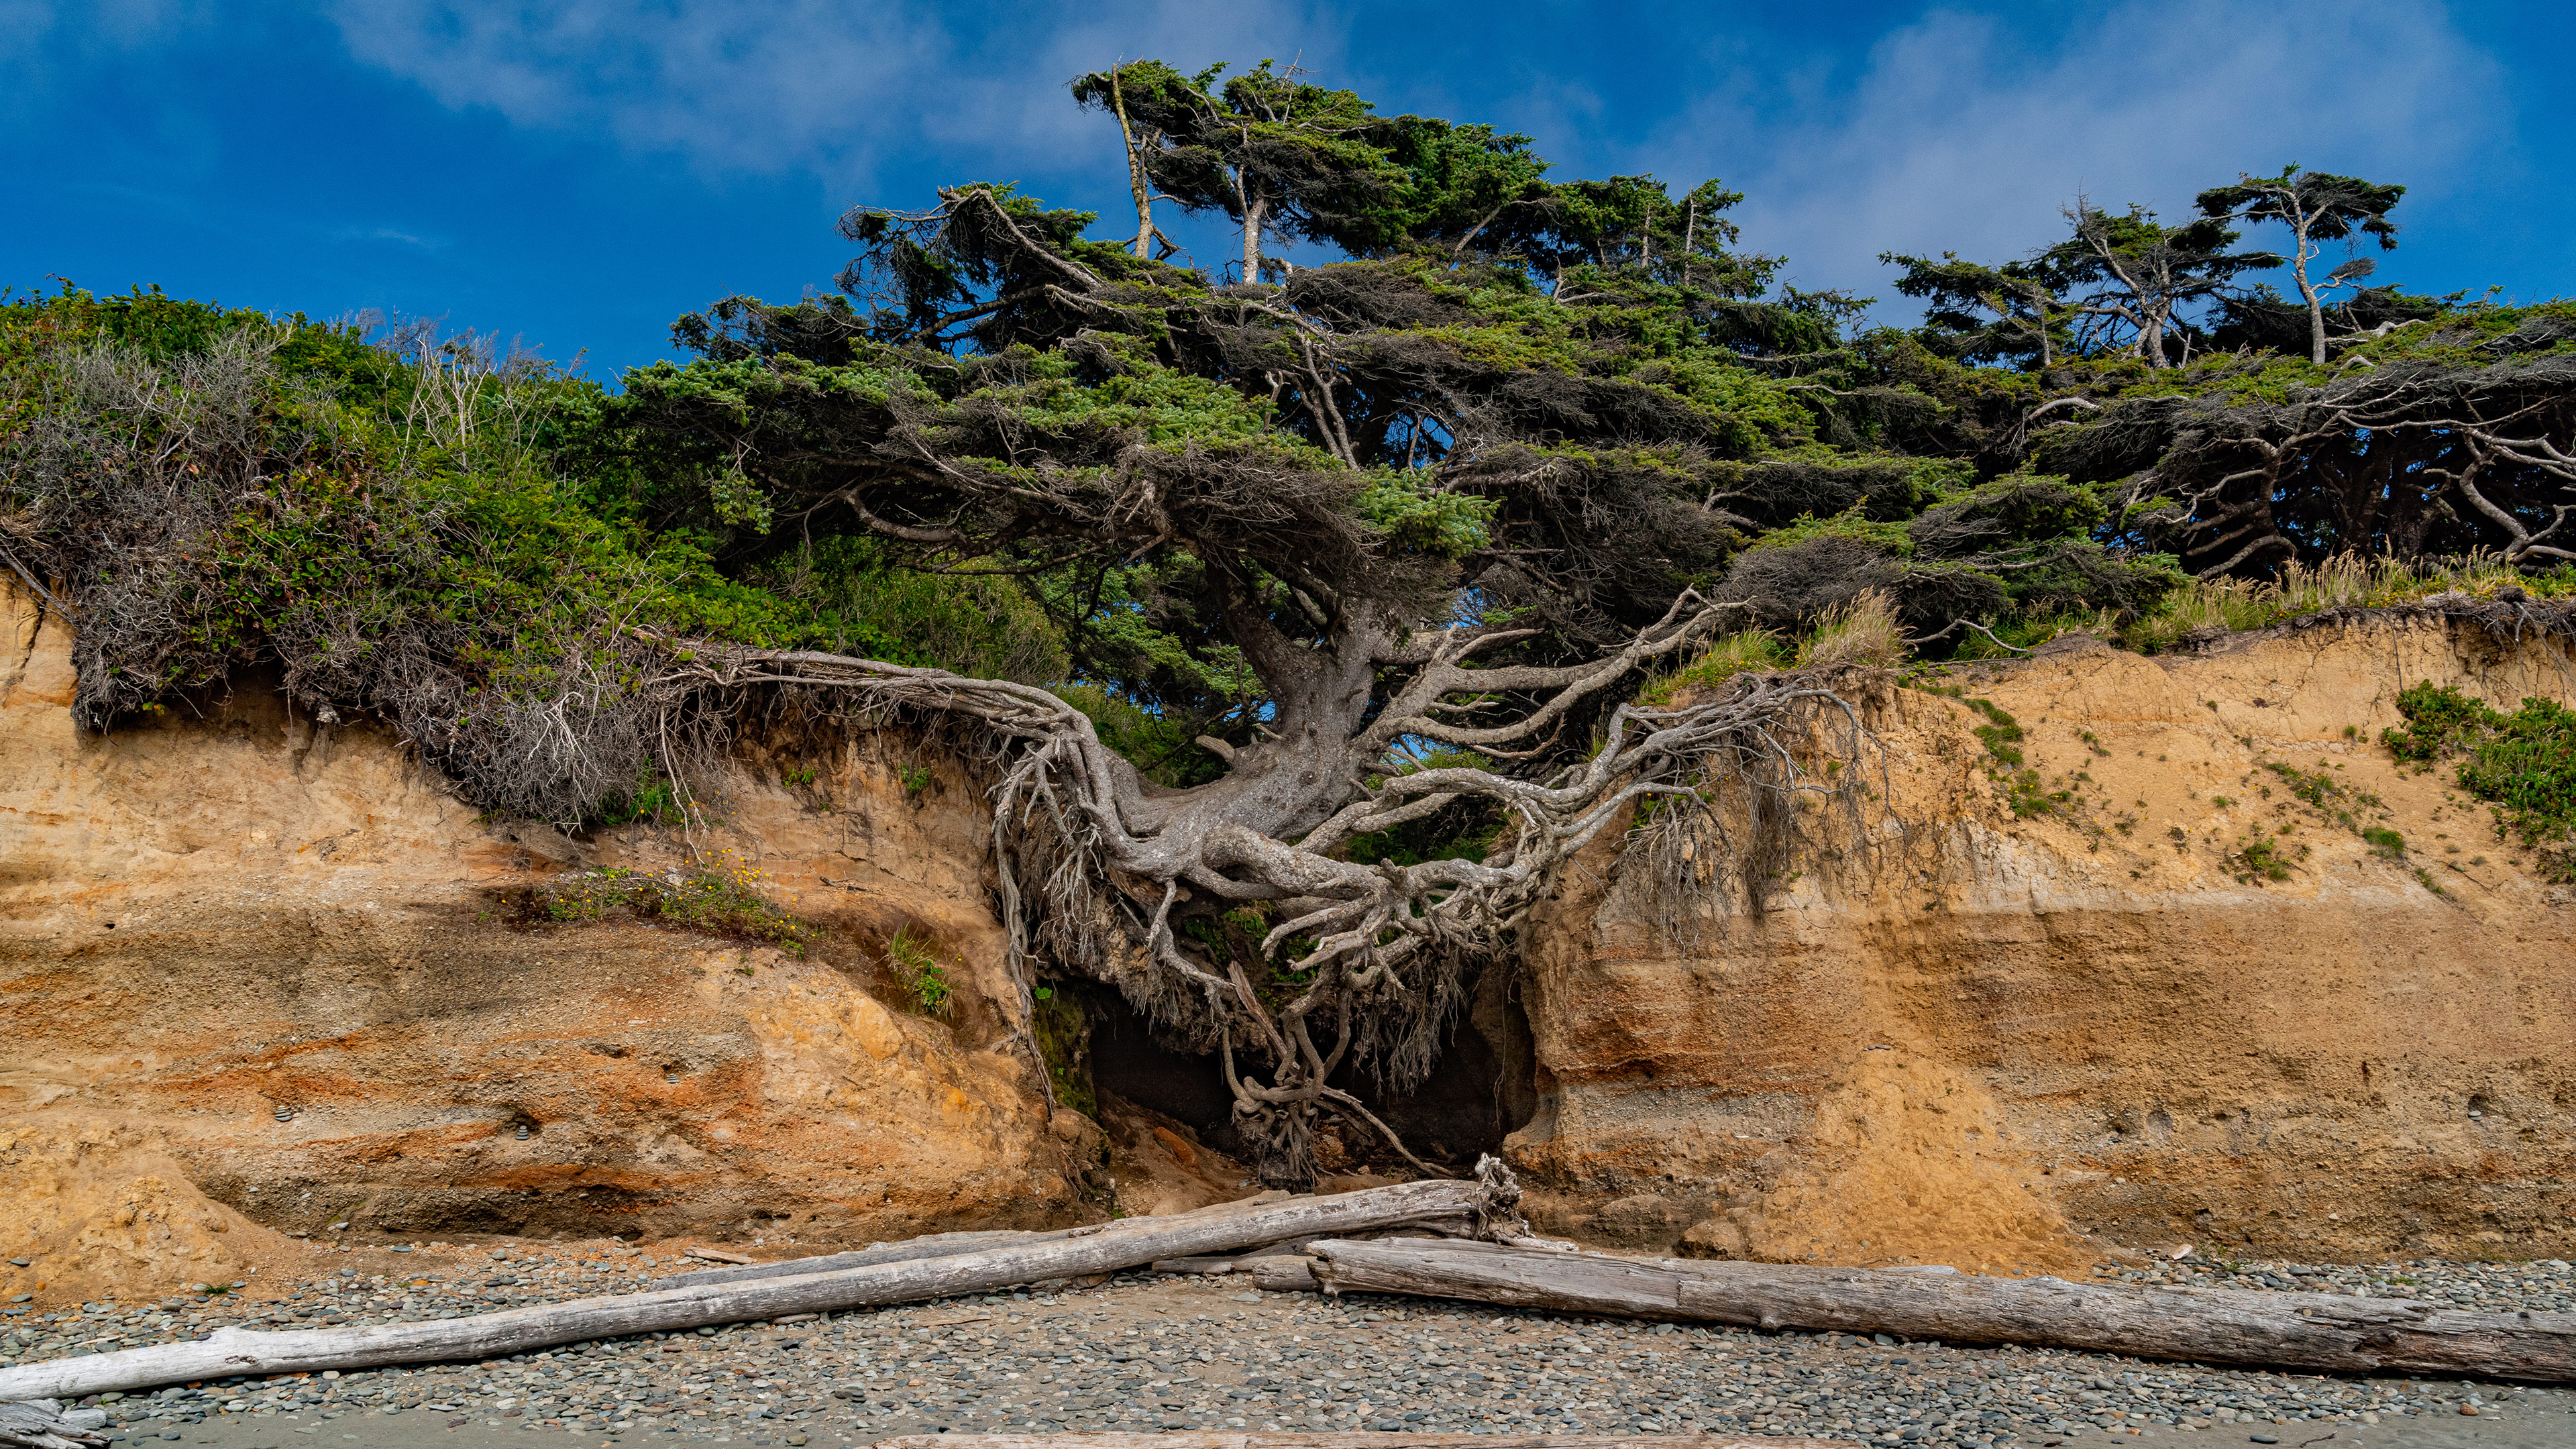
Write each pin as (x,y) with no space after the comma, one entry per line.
(1064,1042)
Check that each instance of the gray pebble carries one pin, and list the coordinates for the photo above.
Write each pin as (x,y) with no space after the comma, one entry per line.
(1149,1353)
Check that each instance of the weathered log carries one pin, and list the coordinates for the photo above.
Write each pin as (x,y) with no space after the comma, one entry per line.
(2208,1325)
(1102,1247)
(1285,1273)
(39,1425)
(1355,1440)
(929,1245)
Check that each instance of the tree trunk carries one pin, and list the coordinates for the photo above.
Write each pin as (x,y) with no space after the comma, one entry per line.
(1136,179)
(2316,307)
(2207,1325)
(1255,208)
(1102,1248)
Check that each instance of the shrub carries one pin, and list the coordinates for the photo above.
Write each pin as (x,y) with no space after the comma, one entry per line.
(2523,764)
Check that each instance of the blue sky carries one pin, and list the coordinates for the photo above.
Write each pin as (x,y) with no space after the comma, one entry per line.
(580,172)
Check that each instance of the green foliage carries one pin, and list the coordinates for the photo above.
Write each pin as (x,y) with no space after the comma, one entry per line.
(2262,858)
(651,802)
(1018,450)
(2025,793)
(2440,721)
(2523,764)
(416,527)
(721,899)
(916,967)
(2001,734)
(1156,744)
(2328,796)
(860,599)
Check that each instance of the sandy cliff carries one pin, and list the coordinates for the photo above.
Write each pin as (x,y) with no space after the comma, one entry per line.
(2001,1041)
(257,975)
(258,978)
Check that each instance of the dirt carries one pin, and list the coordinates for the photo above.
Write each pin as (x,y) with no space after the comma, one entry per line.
(261,977)
(2012,1044)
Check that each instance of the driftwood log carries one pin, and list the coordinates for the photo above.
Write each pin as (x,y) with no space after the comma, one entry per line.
(933,1245)
(2207,1325)
(1196,1440)
(39,1425)
(1100,1248)
(1356,1440)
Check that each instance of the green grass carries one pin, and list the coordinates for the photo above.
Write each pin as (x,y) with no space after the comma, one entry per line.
(1729,656)
(919,970)
(2344,581)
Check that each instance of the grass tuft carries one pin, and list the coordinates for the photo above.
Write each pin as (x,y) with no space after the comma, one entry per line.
(1862,634)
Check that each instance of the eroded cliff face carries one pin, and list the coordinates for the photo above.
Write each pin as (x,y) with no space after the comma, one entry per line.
(2004,1043)
(259,977)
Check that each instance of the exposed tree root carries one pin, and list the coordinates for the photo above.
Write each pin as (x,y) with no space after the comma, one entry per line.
(1097,866)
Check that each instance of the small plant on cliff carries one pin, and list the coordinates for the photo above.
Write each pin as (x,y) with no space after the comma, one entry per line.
(919,971)
(2261,858)
(2025,792)
(2327,795)
(2523,764)
(722,899)
(1734,654)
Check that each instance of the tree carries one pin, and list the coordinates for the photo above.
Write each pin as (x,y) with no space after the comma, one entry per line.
(1379,548)
(2317,207)
(2142,274)
(1981,314)
(1278,155)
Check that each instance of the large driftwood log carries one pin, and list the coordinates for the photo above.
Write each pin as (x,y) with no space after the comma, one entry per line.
(2208,1325)
(1101,1248)
(930,1245)
(39,1425)
(1355,1440)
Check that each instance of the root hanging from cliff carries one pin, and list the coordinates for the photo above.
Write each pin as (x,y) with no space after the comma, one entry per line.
(1361,964)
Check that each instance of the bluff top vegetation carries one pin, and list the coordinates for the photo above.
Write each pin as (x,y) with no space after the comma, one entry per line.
(1310,616)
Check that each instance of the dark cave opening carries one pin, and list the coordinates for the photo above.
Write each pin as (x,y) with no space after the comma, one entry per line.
(1482,1088)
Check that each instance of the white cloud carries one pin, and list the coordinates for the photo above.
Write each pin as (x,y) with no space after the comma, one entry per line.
(769,86)
(1957,134)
